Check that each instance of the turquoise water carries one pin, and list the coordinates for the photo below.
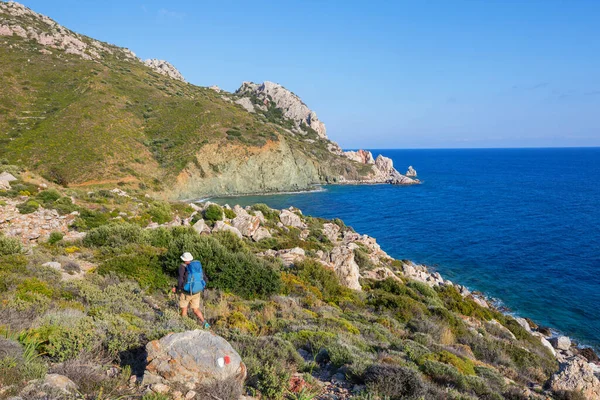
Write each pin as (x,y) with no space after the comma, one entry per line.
(521,225)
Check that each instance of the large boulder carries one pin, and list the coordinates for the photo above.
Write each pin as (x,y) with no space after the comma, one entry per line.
(289,218)
(381,274)
(191,359)
(221,226)
(561,343)
(260,234)
(577,375)
(345,267)
(245,223)
(201,227)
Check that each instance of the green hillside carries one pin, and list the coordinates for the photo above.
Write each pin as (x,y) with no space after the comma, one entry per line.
(112,119)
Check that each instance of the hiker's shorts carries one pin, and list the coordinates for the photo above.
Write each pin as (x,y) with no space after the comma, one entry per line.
(186,299)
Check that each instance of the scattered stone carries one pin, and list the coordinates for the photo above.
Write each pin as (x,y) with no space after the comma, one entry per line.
(192,358)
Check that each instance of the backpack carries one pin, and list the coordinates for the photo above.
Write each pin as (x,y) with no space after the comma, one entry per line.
(195,278)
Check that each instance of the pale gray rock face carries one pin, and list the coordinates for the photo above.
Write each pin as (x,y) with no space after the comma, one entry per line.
(192,358)
(201,227)
(245,223)
(345,267)
(411,172)
(331,231)
(260,234)
(165,68)
(523,322)
(576,375)
(383,168)
(289,218)
(561,342)
(361,156)
(381,274)
(6,177)
(293,108)
(288,256)
(246,103)
(221,226)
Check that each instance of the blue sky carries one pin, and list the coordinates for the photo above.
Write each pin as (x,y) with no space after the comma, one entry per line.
(383,74)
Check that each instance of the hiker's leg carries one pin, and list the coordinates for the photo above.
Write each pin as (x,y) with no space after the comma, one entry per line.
(183,304)
(184,311)
(198,314)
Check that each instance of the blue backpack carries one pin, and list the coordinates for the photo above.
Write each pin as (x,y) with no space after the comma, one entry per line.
(195,278)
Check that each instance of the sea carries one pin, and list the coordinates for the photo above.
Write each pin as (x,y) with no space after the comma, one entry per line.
(520,225)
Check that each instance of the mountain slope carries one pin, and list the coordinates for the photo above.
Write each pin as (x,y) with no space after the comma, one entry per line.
(83,112)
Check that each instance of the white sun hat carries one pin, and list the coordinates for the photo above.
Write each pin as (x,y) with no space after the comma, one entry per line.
(187,257)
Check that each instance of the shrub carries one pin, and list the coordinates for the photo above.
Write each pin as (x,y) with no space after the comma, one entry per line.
(55,237)
(64,205)
(28,207)
(238,271)
(142,264)
(160,212)
(325,280)
(48,196)
(403,307)
(462,364)
(115,235)
(394,382)
(229,213)
(213,213)
(363,260)
(269,213)
(9,246)
(89,219)
(444,374)
(31,286)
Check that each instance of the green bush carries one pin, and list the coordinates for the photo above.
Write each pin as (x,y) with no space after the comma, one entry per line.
(55,237)
(444,374)
(141,264)
(160,212)
(363,260)
(462,364)
(269,213)
(324,279)
(394,382)
(115,235)
(89,219)
(64,205)
(48,196)
(29,287)
(28,207)
(9,245)
(229,213)
(403,307)
(213,213)
(237,271)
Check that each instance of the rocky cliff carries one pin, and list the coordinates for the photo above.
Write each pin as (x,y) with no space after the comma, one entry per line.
(165,68)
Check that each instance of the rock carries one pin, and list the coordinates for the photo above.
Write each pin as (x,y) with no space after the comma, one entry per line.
(260,234)
(6,177)
(545,342)
(561,342)
(576,375)
(245,223)
(289,218)
(246,103)
(165,68)
(331,231)
(160,388)
(192,358)
(290,256)
(215,88)
(411,172)
(53,264)
(292,107)
(221,226)
(52,382)
(381,274)
(345,267)
(523,322)
(589,354)
(361,156)
(190,395)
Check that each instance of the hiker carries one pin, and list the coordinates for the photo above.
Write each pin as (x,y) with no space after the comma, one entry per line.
(192,281)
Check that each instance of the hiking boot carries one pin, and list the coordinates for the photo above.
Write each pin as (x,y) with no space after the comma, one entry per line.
(206,325)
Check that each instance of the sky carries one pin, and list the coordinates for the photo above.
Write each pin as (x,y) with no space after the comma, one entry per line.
(383,74)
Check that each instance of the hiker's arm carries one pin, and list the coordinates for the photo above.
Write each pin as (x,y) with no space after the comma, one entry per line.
(205,278)
(180,281)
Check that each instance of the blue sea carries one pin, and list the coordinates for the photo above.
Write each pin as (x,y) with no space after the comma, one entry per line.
(520,225)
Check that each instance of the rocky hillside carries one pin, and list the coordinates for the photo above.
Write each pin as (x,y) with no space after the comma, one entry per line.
(82,112)
(304,308)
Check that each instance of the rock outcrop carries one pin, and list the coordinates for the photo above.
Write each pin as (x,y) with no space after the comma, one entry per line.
(292,107)
(221,226)
(191,359)
(577,375)
(411,172)
(165,68)
(383,170)
(345,266)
